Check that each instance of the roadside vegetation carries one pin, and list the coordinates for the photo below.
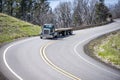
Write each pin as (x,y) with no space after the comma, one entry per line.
(107,48)
(66,14)
(12,28)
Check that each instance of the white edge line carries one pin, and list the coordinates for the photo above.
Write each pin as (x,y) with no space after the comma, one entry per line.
(92,37)
(4,58)
(5,61)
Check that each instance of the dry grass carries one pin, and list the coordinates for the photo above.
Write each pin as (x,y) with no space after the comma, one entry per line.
(12,28)
(107,48)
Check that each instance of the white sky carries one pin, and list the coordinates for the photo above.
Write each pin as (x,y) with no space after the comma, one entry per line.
(54,3)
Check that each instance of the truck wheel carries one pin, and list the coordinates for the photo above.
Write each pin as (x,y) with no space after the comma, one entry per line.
(55,36)
(41,37)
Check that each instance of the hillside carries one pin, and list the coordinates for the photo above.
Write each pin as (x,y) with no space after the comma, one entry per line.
(12,28)
(107,48)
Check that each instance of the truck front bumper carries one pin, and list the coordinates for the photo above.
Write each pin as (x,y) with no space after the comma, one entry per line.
(47,36)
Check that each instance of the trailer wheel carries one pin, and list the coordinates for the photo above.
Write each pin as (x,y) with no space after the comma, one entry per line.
(70,32)
(67,32)
(63,33)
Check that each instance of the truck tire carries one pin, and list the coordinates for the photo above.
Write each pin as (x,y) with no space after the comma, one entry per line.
(41,37)
(67,32)
(55,36)
(63,34)
(70,32)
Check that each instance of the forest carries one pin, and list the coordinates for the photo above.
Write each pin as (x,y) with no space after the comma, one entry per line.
(66,14)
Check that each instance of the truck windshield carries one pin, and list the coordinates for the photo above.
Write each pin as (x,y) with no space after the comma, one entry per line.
(48,26)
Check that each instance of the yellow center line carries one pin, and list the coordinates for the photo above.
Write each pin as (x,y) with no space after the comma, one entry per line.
(45,58)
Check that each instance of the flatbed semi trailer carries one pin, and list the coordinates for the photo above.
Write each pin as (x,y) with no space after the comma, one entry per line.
(49,31)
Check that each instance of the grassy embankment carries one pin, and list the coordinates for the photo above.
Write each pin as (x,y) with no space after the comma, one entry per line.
(107,48)
(12,28)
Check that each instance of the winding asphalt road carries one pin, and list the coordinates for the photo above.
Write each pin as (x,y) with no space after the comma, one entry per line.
(61,59)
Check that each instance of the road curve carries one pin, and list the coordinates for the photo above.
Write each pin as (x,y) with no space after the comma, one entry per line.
(62,59)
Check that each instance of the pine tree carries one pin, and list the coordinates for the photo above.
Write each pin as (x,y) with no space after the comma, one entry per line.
(22,10)
(101,12)
(28,10)
(40,10)
(1,4)
(9,7)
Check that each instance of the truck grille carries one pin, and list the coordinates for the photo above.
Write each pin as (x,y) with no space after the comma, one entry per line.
(46,31)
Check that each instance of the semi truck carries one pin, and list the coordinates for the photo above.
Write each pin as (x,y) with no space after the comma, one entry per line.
(49,31)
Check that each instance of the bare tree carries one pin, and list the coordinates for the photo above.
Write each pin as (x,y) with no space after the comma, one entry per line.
(63,14)
(91,12)
(115,10)
(77,15)
(50,17)
(84,12)
(41,9)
